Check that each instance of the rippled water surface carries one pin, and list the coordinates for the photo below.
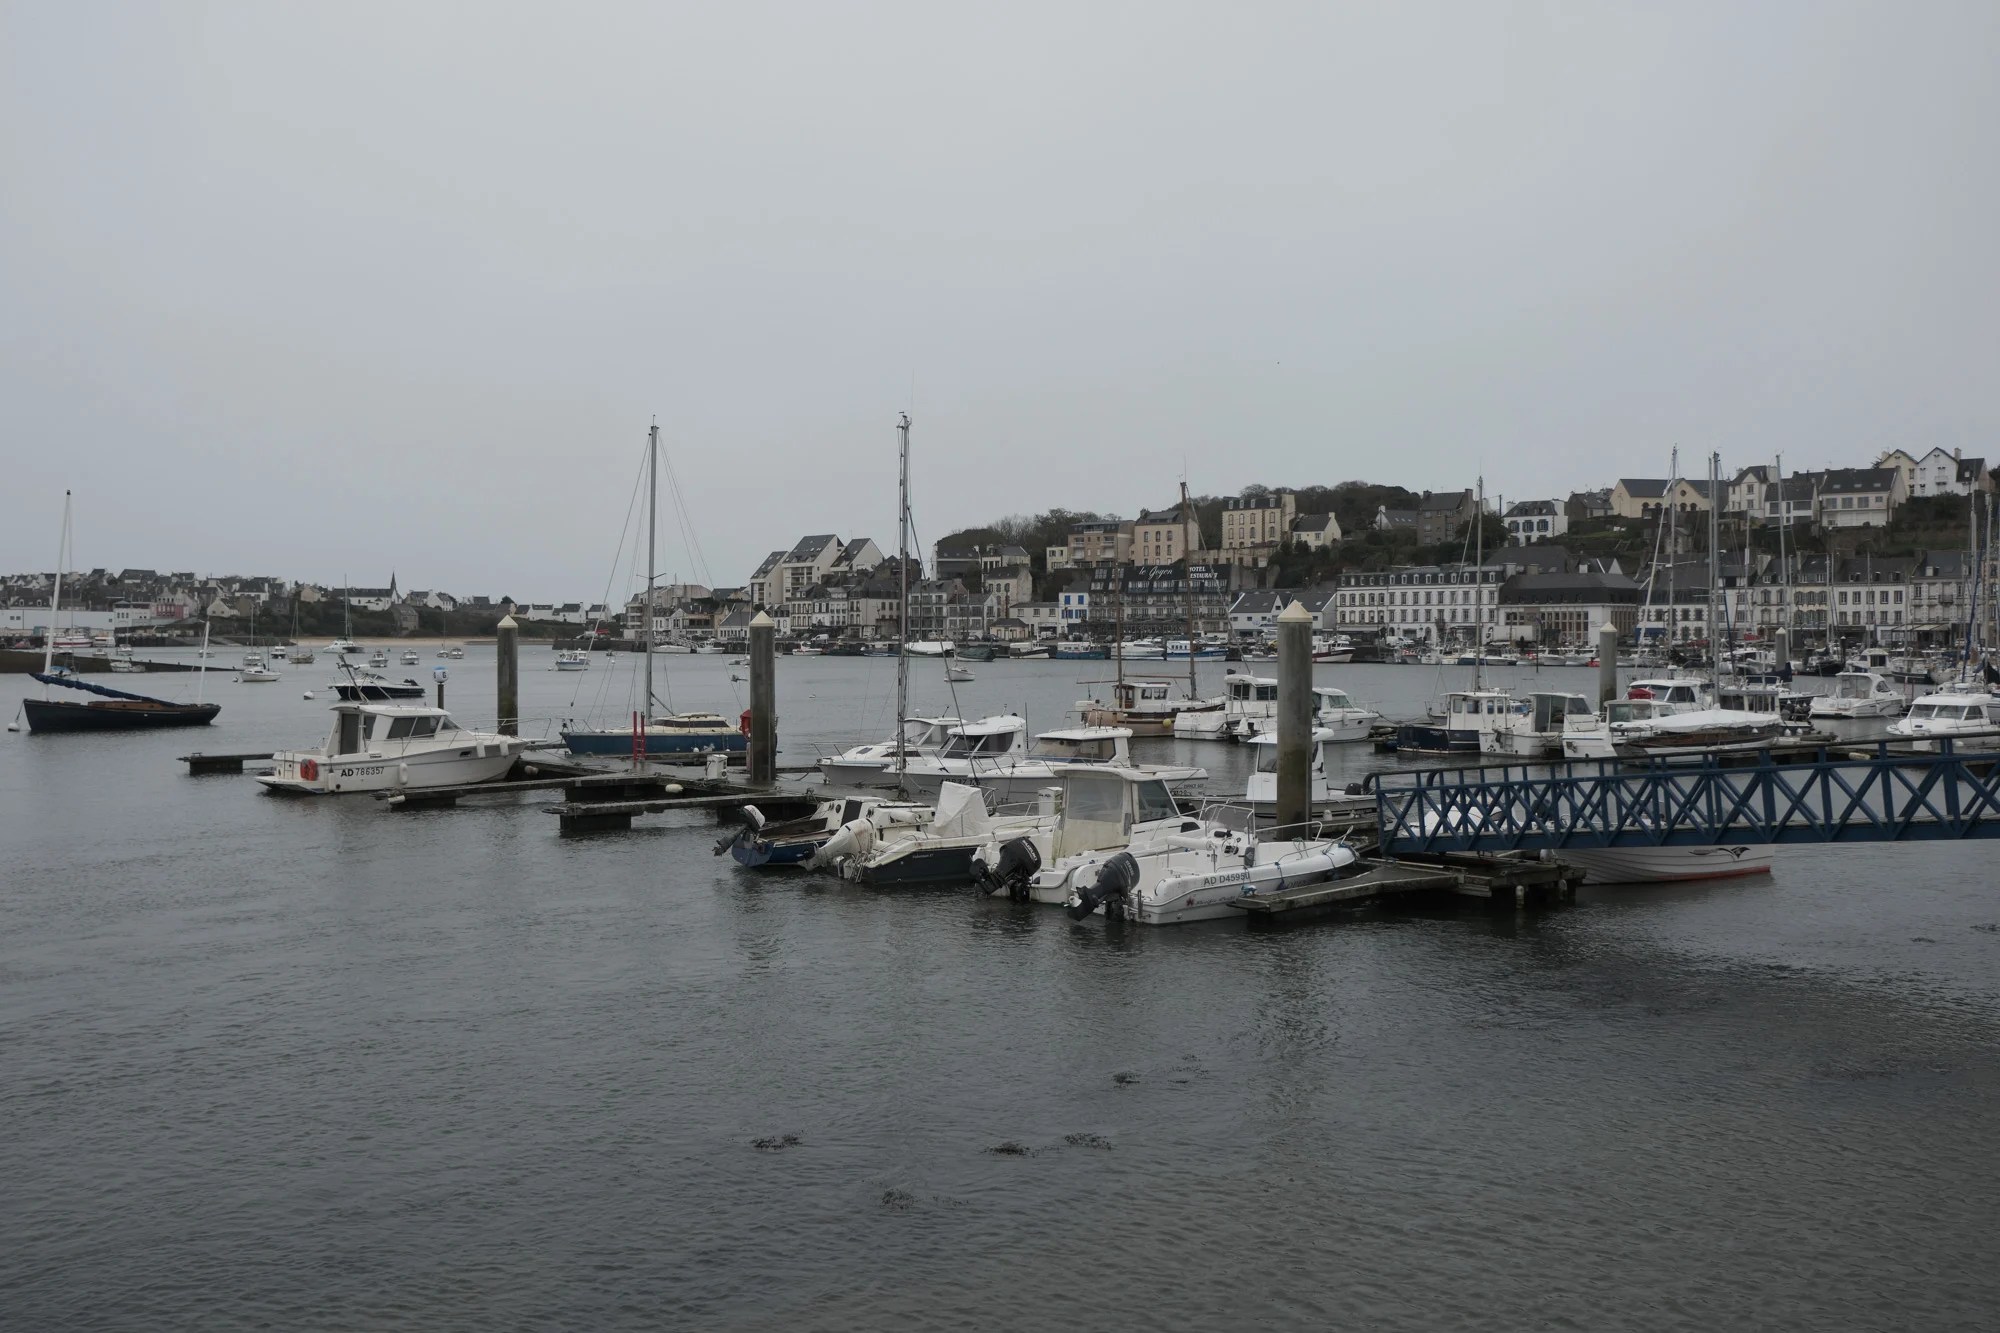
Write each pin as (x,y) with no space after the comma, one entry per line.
(275,1063)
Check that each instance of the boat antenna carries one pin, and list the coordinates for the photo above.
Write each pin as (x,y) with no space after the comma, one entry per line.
(903,577)
(652,518)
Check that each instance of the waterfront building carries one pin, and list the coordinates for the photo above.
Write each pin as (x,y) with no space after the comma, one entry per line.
(1434,602)
(1553,610)
(1860,497)
(1535,521)
(1100,542)
(1255,526)
(1162,536)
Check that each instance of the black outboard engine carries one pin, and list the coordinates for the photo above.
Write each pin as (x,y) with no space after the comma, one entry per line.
(1115,878)
(1016,864)
(753,824)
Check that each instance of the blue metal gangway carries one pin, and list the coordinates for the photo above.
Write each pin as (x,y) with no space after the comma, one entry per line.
(1840,795)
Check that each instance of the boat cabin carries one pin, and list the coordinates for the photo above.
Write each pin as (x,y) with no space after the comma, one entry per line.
(1674,694)
(1144,696)
(1549,711)
(1327,699)
(1084,745)
(1956,708)
(363,728)
(1239,690)
(988,738)
(1102,807)
(1861,685)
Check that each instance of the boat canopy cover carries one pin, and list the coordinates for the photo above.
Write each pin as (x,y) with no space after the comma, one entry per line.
(72,683)
(961,811)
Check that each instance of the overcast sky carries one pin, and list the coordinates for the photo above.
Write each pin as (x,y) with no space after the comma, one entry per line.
(338,289)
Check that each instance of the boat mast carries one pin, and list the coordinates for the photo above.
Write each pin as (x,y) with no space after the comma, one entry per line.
(652,518)
(1714,567)
(1478,583)
(1673,518)
(55,599)
(1784,568)
(1187,554)
(903,597)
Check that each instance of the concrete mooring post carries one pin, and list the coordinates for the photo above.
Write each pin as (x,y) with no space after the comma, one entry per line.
(1607,664)
(1295,668)
(763,699)
(507,645)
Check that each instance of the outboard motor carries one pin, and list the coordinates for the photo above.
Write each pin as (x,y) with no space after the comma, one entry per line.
(1014,868)
(753,824)
(1115,878)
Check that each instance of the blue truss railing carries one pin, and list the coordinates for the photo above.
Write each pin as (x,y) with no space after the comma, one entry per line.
(1837,797)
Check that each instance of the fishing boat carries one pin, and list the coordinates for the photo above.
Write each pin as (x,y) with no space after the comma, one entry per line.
(378,658)
(376,747)
(1182,650)
(1079,650)
(1247,702)
(111,710)
(653,733)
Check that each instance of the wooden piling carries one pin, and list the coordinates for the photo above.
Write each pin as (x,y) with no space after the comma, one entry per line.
(763,700)
(1295,745)
(1607,663)
(507,647)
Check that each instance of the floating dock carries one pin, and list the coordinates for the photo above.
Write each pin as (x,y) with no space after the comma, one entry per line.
(1504,880)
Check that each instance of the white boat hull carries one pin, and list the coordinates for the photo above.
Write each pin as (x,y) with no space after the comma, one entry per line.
(1668,865)
(348,774)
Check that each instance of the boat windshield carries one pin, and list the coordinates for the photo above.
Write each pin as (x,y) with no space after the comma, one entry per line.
(1074,749)
(1328,698)
(962,745)
(1154,801)
(1851,687)
(409,728)
(1918,712)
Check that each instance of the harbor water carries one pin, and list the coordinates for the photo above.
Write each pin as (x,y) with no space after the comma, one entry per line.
(278,1063)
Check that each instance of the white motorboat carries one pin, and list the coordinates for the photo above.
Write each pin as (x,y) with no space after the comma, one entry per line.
(1859,694)
(930,648)
(408,657)
(379,658)
(392,747)
(455,653)
(1260,790)
(1637,728)
(875,765)
(1088,810)
(1957,711)
(255,671)
(343,646)
(1669,865)
(572,659)
(1247,701)
(808,650)
(1011,775)
(1140,650)
(280,654)
(958,675)
(1120,846)
(893,849)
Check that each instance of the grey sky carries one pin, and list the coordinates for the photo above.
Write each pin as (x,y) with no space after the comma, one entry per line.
(306,290)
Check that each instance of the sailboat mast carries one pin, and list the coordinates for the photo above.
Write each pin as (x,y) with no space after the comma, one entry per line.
(903,597)
(1478,582)
(55,599)
(1714,567)
(652,519)
(1187,555)
(1784,567)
